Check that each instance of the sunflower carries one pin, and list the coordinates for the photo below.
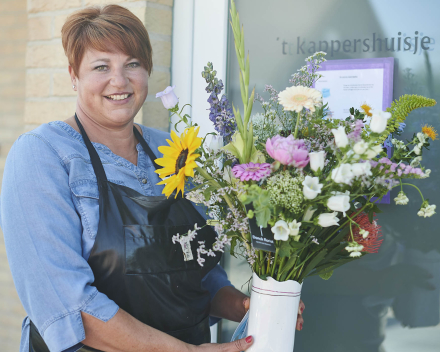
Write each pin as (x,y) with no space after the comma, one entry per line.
(367,109)
(430,132)
(178,160)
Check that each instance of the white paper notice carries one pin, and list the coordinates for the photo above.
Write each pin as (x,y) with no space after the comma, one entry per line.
(343,89)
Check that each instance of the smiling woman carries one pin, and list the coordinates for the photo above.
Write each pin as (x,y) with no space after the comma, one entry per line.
(87,232)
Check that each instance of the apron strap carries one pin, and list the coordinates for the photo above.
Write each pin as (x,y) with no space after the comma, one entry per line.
(94,157)
(146,147)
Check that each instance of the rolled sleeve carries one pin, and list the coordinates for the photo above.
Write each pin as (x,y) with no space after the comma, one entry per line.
(42,232)
(213,282)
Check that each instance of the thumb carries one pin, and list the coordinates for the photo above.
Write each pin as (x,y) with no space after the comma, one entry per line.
(239,345)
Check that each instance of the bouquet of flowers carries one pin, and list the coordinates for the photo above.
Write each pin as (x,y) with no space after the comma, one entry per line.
(291,190)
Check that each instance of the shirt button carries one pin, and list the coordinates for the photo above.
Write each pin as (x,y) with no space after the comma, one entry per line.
(144,180)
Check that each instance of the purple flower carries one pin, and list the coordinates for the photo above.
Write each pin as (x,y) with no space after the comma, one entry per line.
(251,171)
(373,163)
(288,151)
(393,167)
(355,135)
(385,161)
(220,112)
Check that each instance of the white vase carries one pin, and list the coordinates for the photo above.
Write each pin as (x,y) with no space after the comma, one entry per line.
(272,314)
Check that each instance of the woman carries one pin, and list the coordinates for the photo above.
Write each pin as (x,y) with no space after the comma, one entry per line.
(86,230)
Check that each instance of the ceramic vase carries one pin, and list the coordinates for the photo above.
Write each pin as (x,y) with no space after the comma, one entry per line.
(272,314)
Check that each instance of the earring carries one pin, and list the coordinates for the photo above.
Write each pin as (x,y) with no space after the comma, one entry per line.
(73,87)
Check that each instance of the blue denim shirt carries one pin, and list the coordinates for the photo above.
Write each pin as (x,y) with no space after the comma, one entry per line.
(49,216)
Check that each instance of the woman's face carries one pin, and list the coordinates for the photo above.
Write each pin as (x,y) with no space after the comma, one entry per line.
(111,87)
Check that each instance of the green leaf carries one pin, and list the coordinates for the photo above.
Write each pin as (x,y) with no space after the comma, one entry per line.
(285,249)
(327,275)
(262,217)
(233,244)
(287,267)
(314,262)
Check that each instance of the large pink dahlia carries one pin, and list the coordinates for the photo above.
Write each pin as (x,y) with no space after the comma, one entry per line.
(251,171)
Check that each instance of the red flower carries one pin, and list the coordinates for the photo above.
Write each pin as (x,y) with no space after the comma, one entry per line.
(372,242)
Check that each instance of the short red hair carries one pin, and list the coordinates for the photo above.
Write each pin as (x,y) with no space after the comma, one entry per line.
(100,28)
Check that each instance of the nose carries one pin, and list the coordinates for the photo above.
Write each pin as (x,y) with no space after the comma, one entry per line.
(119,78)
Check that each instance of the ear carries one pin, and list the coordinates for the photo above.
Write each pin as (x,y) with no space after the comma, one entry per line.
(73,78)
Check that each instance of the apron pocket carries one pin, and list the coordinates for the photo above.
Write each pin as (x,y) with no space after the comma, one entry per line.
(149,249)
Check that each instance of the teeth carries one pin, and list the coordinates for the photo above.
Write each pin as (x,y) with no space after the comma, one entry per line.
(118,96)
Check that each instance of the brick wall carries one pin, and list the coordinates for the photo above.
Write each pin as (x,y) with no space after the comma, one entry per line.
(35,88)
(13,37)
(49,93)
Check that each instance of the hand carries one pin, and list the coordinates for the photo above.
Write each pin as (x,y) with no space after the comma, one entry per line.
(235,346)
(299,319)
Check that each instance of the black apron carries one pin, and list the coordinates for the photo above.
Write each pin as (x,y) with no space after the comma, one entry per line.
(136,264)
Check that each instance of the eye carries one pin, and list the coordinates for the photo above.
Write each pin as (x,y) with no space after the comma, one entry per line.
(101,68)
(133,64)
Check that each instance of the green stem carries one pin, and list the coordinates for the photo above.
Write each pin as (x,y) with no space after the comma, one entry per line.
(417,188)
(298,118)
(274,262)
(262,263)
(214,183)
(280,268)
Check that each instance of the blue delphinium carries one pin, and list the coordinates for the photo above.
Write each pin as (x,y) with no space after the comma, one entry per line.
(221,113)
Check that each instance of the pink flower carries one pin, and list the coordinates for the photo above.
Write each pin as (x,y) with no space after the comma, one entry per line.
(385,161)
(288,151)
(251,171)
(393,167)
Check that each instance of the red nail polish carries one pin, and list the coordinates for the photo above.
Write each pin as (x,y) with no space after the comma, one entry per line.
(300,326)
(249,339)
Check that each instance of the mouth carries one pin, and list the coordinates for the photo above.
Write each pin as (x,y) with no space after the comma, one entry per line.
(119,97)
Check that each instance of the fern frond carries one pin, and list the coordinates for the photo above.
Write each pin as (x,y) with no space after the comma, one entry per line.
(401,108)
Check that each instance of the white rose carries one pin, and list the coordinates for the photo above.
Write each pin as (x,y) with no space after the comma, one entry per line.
(374,151)
(309,213)
(216,143)
(379,121)
(360,169)
(168,97)
(312,187)
(317,160)
(360,147)
(281,230)
(294,228)
(343,174)
(339,202)
(341,138)
(328,219)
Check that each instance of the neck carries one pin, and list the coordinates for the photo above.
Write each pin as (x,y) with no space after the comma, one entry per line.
(120,139)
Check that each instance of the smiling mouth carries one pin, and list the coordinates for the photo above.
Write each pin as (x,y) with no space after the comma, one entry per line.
(118,96)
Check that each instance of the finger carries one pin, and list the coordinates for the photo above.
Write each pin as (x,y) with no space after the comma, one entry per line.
(301,307)
(299,323)
(246,303)
(239,345)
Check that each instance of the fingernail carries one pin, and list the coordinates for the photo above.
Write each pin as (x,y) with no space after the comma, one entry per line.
(302,310)
(300,326)
(249,339)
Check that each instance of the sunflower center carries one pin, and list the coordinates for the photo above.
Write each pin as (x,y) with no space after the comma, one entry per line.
(181,160)
(252,169)
(299,98)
